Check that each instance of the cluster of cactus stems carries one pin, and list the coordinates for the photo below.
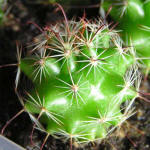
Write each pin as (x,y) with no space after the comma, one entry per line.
(85,81)
(133,17)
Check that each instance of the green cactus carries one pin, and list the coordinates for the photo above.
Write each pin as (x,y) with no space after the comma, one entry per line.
(133,18)
(82,75)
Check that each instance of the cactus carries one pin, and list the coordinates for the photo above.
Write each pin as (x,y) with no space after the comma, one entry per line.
(85,81)
(82,76)
(133,18)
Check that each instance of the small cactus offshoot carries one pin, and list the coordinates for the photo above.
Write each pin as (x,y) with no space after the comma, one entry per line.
(133,17)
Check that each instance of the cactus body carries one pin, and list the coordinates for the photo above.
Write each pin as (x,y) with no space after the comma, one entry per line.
(133,18)
(81,78)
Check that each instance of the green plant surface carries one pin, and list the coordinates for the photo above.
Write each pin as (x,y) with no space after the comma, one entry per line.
(133,17)
(82,76)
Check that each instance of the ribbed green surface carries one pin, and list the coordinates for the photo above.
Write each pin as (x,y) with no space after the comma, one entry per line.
(133,17)
(81,80)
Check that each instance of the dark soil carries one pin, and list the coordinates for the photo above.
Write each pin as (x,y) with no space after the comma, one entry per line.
(133,135)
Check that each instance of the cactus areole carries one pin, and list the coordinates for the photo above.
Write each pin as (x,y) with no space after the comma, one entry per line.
(82,76)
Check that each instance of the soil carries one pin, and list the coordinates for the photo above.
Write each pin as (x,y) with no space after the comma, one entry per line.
(133,135)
